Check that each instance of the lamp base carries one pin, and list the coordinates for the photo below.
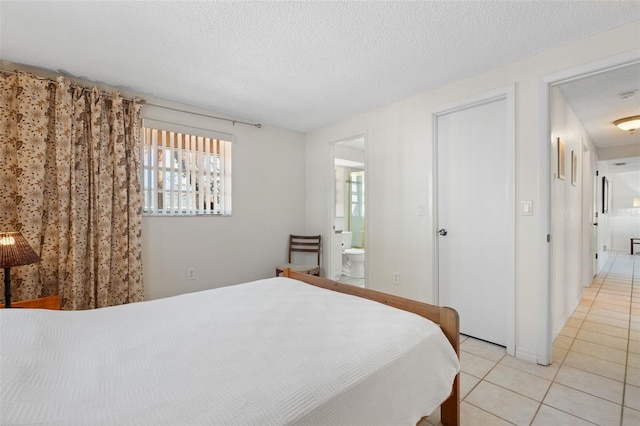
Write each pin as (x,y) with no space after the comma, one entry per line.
(7,287)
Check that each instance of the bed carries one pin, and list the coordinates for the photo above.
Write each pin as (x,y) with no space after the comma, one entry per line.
(269,352)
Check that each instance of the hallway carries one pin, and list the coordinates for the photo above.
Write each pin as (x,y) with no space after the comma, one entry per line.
(595,374)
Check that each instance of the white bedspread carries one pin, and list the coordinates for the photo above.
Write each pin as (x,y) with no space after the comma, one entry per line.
(269,352)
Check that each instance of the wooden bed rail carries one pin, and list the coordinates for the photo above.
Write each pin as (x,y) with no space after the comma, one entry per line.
(446,318)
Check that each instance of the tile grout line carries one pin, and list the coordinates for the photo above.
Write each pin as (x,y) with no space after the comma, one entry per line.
(602,284)
(624,381)
(601,290)
(553,380)
(482,379)
(626,366)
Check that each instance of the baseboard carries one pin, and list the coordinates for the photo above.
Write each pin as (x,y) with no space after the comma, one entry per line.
(557,328)
(526,354)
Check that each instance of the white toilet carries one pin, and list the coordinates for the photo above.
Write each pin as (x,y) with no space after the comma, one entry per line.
(352,258)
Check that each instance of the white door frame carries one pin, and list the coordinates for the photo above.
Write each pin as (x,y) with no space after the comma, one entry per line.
(544,182)
(588,260)
(508,94)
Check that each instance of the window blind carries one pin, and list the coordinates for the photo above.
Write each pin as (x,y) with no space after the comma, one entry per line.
(185,173)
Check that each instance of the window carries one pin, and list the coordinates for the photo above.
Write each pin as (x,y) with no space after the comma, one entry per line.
(185,171)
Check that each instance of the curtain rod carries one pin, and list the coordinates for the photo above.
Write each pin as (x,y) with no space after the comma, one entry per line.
(258,125)
(142,101)
(74,85)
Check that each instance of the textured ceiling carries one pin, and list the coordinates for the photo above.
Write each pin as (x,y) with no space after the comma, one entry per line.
(298,65)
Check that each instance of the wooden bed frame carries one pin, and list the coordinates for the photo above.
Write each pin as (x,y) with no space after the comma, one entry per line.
(446,318)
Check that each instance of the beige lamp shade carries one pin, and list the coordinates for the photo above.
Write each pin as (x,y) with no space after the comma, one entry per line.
(15,250)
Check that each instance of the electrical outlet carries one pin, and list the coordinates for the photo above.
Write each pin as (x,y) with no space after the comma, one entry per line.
(396,278)
(191,274)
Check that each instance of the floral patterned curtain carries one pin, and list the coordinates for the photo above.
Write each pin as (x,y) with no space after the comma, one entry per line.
(70,182)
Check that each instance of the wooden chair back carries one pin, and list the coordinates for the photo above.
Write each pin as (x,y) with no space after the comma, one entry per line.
(305,244)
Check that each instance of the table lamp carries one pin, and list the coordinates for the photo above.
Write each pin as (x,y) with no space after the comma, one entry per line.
(14,251)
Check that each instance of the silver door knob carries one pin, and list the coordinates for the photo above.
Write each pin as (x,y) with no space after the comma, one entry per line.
(442,232)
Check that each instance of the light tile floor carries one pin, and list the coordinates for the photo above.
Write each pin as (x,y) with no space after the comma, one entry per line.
(595,374)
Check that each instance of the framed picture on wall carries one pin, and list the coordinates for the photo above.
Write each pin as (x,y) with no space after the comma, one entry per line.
(605,194)
(574,168)
(561,159)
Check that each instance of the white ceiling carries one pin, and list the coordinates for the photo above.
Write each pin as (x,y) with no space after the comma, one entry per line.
(298,65)
(626,165)
(597,102)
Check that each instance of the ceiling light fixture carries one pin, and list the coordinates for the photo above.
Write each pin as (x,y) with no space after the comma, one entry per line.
(629,124)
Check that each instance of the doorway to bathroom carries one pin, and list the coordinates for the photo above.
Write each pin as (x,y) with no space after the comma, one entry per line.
(348,224)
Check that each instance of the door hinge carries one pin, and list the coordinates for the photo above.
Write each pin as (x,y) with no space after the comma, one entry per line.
(548,238)
(597,172)
(596,255)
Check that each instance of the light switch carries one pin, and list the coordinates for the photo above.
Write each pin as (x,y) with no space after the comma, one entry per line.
(526,208)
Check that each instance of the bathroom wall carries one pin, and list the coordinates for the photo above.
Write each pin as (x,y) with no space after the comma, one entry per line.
(347,153)
(342,152)
(342,222)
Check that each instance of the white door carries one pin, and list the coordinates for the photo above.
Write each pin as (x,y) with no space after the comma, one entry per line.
(476,223)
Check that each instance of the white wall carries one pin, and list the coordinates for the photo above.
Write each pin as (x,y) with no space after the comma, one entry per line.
(622,151)
(625,219)
(604,219)
(400,176)
(268,204)
(567,210)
